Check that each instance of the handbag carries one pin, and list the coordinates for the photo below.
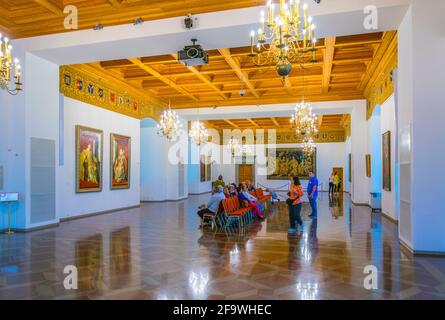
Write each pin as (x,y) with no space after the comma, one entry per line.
(289,201)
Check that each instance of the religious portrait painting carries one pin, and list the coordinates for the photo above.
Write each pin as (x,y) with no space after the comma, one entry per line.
(120,157)
(205,168)
(89,164)
(285,162)
(386,160)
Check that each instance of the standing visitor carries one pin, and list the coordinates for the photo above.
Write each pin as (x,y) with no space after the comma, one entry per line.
(312,193)
(336,183)
(331,184)
(295,204)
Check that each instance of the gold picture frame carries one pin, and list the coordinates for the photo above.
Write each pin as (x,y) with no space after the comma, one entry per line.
(386,160)
(368,165)
(89,159)
(120,161)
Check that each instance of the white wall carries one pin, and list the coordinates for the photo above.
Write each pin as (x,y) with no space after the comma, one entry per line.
(388,123)
(405,88)
(159,164)
(428,147)
(359,148)
(75,204)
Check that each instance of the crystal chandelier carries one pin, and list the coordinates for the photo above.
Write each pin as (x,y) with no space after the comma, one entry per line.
(7,65)
(284,39)
(308,145)
(169,126)
(234,146)
(198,133)
(304,121)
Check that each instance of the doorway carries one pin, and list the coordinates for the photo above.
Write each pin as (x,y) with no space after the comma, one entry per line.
(340,173)
(245,173)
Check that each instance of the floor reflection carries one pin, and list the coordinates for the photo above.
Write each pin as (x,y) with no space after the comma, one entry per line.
(159,252)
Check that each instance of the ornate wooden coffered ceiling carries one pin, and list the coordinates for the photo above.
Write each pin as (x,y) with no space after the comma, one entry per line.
(27,18)
(346,66)
(331,122)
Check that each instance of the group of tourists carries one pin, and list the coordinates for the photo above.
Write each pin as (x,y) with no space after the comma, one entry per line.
(295,202)
(245,190)
(220,191)
(334,184)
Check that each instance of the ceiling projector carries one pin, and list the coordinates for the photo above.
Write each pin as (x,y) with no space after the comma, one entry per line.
(193,55)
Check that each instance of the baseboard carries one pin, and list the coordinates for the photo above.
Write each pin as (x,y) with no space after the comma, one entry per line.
(419,252)
(198,194)
(361,204)
(167,200)
(87,215)
(388,217)
(21,230)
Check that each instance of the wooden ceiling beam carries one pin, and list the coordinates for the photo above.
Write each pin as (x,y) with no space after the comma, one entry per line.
(274,120)
(320,121)
(50,6)
(204,79)
(231,123)
(328,60)
(116,3)
(253,122)
(243,76)
(157,75)
(387,39)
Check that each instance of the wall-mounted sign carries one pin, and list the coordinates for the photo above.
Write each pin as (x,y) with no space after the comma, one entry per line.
(9,197)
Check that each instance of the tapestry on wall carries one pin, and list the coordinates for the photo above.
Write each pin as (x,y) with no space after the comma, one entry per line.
(120,147)
(285,162)
(386,160)
(89,148)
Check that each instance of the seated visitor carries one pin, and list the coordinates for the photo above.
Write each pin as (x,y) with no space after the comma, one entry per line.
(219,182)
(244,195)
(233,190)
(213,204)
(250,187)
(226,192)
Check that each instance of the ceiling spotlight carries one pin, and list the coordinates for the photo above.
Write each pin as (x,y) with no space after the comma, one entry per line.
(138,21)
(98,27)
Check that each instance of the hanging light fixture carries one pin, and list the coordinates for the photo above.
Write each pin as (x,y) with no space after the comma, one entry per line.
(7,66)
(304,121)
(169,126)
(308,145)
(285,38)
(198,133)
(234,146)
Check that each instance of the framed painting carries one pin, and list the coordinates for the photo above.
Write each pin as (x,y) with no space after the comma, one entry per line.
(350,168)
(205,168)
(368,165)
(386,160)
(120,159)
(89,155)
(202,168)
(287,162)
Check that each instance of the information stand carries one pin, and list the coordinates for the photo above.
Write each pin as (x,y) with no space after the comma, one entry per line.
(9,197)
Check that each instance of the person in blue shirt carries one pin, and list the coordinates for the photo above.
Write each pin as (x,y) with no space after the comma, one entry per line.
(312,194)
(213,204)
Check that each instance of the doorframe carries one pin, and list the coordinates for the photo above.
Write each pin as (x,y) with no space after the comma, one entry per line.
(244,162)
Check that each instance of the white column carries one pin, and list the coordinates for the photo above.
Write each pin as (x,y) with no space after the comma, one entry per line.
(421,116)
(359,136)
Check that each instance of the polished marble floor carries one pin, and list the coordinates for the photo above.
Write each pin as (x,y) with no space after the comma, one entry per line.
(158,252)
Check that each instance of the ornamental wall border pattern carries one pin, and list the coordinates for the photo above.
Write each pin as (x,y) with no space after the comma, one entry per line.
(80,86)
